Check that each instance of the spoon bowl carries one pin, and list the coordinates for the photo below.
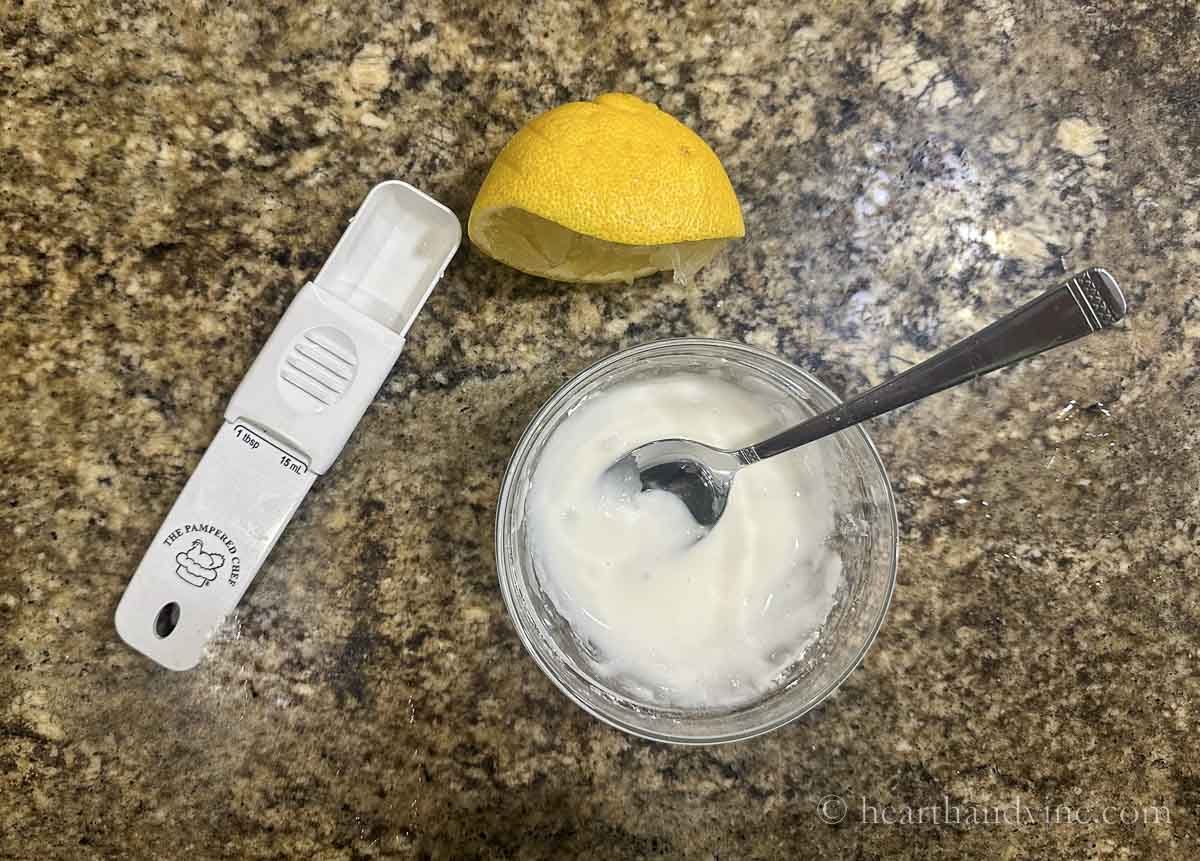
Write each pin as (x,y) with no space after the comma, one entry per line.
(700,475)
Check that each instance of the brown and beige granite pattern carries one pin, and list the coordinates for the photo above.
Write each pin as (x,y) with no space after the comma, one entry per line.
(170,174)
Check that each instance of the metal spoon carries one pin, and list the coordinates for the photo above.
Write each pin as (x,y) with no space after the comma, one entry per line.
(702,475)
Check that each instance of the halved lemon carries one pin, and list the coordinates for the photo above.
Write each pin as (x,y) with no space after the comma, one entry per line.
(603,191)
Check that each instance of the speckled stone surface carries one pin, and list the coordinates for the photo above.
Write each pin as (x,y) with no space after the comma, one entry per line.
(170,176)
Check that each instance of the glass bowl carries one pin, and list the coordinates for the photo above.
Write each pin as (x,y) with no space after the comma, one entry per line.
(865,536)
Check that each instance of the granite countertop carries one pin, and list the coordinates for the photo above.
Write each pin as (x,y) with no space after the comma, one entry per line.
(171,175)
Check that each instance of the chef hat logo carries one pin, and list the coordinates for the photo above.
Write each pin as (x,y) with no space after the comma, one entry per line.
(197,567)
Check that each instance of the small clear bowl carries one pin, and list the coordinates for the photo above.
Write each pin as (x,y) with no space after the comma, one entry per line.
(865,536)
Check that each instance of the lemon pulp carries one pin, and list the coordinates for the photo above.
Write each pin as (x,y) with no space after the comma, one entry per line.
(540,247)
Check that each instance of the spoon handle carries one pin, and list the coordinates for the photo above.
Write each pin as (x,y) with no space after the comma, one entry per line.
(1088,302)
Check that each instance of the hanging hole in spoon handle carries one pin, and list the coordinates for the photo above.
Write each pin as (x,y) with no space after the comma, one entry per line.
(1086,303)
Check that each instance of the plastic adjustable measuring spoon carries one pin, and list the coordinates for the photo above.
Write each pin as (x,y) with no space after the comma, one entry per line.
(287,422)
